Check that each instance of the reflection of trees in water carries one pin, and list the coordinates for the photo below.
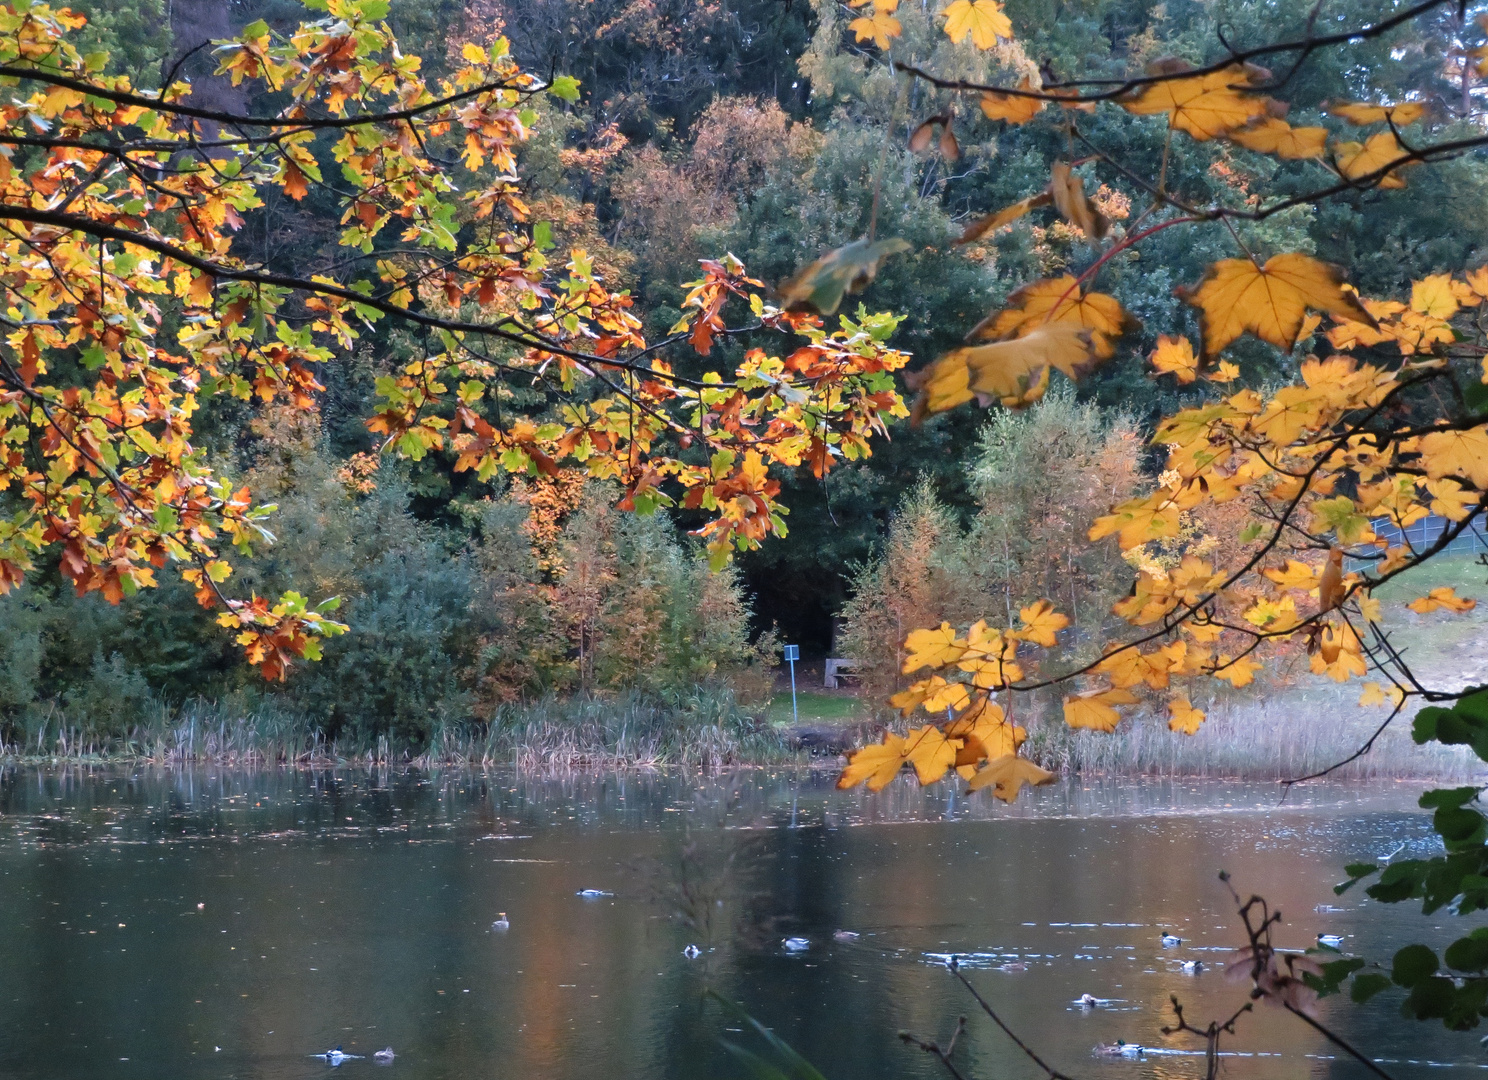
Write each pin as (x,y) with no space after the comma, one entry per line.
(69,804)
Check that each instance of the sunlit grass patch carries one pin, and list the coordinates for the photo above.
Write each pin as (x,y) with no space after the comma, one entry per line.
(814,708)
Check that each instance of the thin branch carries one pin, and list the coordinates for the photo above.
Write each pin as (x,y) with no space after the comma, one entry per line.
(1305,45)
(1049,1070)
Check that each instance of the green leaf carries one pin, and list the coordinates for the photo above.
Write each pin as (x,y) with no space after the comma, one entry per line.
(565,87)
(821,286)
(1475,394)
(1473,705)
(1459,825)
(374,9)
(1367,985)
(542,236)
(1251,531)
(1467,954)
(1413,964)
(1333,975)
(1423,729)
(799,1068)
(256,29)
(758,1067)
(1448,797)
(1429,999)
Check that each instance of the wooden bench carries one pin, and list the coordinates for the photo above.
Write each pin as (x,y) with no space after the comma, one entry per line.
(836,669)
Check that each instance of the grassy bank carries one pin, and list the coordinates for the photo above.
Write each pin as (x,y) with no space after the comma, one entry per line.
(1285,736)
(704,728)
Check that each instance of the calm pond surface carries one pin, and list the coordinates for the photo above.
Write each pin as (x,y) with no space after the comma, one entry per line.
(222,924)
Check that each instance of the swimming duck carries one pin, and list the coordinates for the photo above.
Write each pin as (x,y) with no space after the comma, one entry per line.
(501,923)
(1088,1001)
(1170,941)
(845,935)
(592,894)
(384,1055)
(1192,967)
(796,944)
(1119,1048)
(1332,941)
(336,1056)
(692,952)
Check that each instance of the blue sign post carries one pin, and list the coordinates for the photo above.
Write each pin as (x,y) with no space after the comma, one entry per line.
(792,654)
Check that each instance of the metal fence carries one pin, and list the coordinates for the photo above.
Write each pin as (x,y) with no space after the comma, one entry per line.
(1422,534)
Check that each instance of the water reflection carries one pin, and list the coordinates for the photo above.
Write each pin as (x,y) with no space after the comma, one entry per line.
(226,923)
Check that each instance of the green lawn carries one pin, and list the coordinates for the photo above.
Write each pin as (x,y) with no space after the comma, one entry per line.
(814,708)
(1462,572)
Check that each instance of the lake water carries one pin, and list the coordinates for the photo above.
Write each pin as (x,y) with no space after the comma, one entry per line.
(222,924)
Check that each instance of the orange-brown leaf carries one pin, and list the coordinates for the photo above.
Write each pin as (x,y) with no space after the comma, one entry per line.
(1008,214)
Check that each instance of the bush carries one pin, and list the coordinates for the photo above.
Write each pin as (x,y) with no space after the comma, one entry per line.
(1039,478)
(447,624)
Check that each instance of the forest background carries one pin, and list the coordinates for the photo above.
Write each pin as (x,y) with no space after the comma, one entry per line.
(765,129)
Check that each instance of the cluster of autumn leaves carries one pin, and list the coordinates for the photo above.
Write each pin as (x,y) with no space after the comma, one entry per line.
(120,207)
(1318,464)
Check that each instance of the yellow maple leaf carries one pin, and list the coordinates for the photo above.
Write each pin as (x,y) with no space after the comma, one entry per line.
(1374,694)
(1457,453)
(1204,106)
(1292,411)
(1269,135)
(1182,716)
(1450,499)
(1225,372)
(1356,161)
(1013,108)
(1434,296)
(932,648)
(1175,355)
(1370,608)
(927,749)
(1040,623)
(930,752)
(985,735)
(1007,775)
(1205,633)
(907,701)
(880,27)
(991,658)
(1068,192)
(1297,575)
(1269,301)
(1152,517)
(1092,710)
(877,764)
(1361,113)
(982,19)
(1237,673)
(953,695)
(1130,667)
(1443,597)
(1055,300)
(1477,282)
(1339,654)
(1014,372)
